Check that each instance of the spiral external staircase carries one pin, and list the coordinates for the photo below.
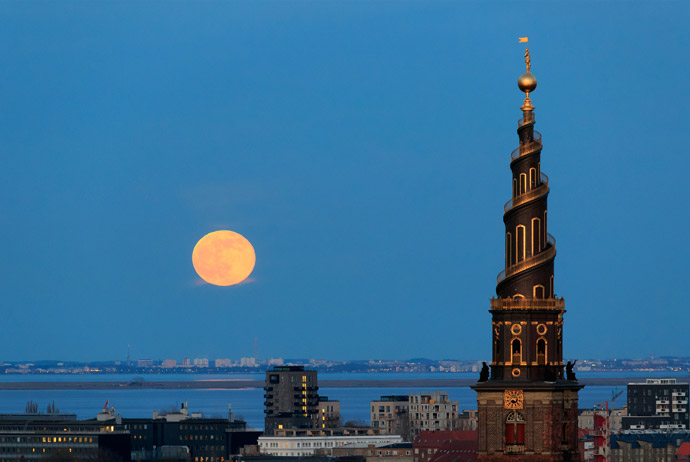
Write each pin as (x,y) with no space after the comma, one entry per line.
(530,145)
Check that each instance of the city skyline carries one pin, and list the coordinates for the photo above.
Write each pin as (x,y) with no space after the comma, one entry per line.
(361,148)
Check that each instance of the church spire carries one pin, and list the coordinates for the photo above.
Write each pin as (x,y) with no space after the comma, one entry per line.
(527,406)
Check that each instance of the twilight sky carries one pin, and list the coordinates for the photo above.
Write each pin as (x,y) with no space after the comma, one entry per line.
(362,147)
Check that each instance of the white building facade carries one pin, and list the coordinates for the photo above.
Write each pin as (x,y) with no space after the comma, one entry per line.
(306,445)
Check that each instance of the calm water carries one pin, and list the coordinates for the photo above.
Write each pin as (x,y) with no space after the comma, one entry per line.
(248,403)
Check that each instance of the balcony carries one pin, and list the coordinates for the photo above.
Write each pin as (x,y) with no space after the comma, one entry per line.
(548,253)
(529,118)
(662,401)
(514,449)
(527,148)
(527,303)
(680,409)
(683,401)
(540,190)
(678,393)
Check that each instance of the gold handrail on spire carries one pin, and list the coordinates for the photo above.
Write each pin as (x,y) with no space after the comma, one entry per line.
(527,82)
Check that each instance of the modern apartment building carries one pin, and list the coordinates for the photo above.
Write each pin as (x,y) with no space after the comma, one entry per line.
(329,413)
(292,399)
(429,412)
(391,414)
(657,404)
(37,437)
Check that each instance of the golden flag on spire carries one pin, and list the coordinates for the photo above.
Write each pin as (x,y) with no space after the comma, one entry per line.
(522,39)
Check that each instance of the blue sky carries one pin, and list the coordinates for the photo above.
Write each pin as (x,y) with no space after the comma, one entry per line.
(362,147)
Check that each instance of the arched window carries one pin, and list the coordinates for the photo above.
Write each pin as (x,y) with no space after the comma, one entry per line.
(497,348)
(538,291)
(509,250)
(536,236)
(523,183)
(520,243)
(515,428)
(516,349)
(532,178)
(541,352)
(515,187)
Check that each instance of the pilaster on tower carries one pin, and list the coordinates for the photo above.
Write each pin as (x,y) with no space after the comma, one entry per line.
(527,406)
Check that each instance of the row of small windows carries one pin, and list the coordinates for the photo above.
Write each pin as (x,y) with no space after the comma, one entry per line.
(523,185)
(517,251)
(196,437)
(46,439)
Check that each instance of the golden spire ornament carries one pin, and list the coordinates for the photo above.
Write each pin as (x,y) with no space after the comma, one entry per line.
(527,82)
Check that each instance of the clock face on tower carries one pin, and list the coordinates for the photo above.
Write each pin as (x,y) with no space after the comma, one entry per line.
(512,399)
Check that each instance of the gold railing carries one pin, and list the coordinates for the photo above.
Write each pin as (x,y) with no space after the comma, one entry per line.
(527,303)
(539,191)
(527,148)
(514,449)
(527,119)
(548,253)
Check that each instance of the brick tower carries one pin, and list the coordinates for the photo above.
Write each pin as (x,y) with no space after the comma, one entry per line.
(527,408)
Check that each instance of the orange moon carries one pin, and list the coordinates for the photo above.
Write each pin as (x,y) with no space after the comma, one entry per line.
(223,258)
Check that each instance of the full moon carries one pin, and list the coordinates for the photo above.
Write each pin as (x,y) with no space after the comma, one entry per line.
(223,258)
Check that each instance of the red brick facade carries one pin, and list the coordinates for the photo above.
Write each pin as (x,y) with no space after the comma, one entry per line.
(549,417)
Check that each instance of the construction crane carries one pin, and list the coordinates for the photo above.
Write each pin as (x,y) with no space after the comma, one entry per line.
(615,395)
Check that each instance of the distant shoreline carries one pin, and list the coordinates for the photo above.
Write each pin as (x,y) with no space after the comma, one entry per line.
(235,384)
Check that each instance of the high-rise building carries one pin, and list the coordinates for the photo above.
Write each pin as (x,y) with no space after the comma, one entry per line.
(223,363)
(657,404)
(527,408)
(292,398)
(391,413)
(431,412)
(201,362)
(248,362)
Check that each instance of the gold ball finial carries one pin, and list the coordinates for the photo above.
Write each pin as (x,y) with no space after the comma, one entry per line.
(527,82)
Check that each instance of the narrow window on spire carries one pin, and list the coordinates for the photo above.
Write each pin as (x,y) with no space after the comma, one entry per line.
(536,236)
(551,288)
(538,291)
(520,243)
(509,250)
(523,183)
(532,178)
(516,348)
(515,188)
(544,240)
(497,350)
(539,172)
(541,352)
